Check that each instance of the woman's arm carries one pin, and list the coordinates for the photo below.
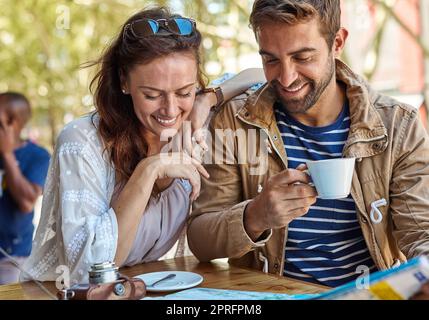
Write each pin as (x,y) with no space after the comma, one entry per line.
(230,88)
(129,207)
(134,197)
(241,82)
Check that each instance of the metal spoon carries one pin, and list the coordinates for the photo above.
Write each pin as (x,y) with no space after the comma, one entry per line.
(170,276)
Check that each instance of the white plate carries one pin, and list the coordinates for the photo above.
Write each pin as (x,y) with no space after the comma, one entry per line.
(182,280)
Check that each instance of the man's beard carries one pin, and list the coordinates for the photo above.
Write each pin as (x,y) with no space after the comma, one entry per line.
(302,105)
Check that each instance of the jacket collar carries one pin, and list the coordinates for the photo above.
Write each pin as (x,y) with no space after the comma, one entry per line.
(366,124)
(259,107)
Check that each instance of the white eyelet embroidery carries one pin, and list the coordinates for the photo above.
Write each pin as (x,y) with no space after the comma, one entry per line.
(44,264)
(87,197)
(79,201)
(75,246)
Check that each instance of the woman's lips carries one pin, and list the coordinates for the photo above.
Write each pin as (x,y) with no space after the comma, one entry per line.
(166,122)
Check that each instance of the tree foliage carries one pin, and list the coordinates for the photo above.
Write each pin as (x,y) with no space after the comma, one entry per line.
(43,43)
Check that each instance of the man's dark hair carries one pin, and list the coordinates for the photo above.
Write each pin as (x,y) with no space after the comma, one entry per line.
(18,105)
(298,11)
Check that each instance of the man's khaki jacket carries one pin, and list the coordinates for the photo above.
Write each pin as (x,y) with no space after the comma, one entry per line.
(392,150)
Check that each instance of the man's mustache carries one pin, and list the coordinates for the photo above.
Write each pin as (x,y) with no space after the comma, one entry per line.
(276,84)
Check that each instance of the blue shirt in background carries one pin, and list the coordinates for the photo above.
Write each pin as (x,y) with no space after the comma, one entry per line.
(16,227)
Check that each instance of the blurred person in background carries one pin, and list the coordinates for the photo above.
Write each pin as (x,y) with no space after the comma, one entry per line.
(23,168)
(110,195)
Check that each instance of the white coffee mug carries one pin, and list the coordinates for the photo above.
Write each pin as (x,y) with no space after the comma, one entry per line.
(332,178)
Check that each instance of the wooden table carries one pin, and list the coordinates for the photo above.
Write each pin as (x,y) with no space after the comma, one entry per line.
(217,274)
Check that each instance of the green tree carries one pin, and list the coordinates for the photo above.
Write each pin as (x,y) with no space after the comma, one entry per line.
(44,43)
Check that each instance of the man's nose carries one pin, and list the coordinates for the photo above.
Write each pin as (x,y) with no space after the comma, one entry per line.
(288,74)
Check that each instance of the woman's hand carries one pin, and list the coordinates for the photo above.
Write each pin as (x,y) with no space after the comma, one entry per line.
(178,165)
(199,114)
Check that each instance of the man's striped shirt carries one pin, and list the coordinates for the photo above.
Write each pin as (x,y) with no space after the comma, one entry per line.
(326,245)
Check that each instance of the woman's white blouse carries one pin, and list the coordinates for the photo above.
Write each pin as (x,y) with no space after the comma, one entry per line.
(78,227)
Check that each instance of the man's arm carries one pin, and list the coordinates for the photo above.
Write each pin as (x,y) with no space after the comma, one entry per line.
(225,222)
(409,188)
(23,191)
(216,228)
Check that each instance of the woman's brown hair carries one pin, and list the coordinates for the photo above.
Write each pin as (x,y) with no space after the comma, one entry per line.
(118,126)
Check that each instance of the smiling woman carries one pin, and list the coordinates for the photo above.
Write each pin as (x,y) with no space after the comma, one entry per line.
(110,194)
(163,92)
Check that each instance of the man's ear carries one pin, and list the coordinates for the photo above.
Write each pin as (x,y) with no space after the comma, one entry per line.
(17,123)
(340,42)
(9,118)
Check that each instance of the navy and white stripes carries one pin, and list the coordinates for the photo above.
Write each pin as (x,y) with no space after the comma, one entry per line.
(326,245)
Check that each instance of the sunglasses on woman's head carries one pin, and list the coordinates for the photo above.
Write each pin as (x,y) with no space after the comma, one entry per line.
(149,27)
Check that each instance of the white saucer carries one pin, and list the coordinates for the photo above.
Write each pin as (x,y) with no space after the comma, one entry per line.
(182,280)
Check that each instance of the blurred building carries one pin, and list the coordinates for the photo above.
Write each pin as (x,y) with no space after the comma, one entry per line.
(380,48)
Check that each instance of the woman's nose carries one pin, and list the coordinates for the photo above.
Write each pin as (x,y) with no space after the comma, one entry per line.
(171,106)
